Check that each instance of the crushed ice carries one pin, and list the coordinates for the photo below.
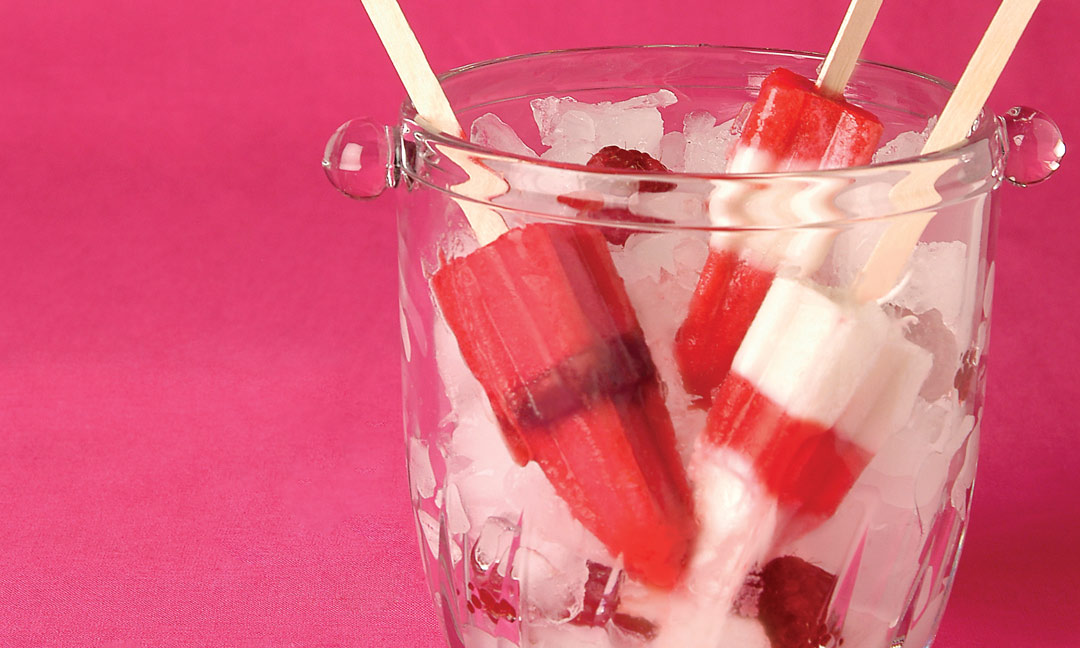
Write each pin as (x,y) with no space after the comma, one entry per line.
(905,145)
(575,130)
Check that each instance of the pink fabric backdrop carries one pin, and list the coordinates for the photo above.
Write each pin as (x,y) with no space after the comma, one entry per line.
(199,419)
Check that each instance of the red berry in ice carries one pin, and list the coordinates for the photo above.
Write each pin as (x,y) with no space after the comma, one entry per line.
(601,596)
(618,235)
(490,592)
(614,157)
(635,625)
(592,206)
(490,602)
(793,600)
(582,203)
(970,375)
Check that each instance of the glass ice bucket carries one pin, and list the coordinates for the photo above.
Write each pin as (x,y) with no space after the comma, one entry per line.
(687,409)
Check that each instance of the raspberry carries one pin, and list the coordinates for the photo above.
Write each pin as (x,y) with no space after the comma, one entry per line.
(490,602)
(490,592)
(592,206)
(971,373)
(618,235)
(613,157)
(793,599)
(581,203)
(635,625)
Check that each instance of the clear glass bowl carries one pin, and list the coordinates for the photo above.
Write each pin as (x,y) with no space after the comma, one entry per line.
(588,467)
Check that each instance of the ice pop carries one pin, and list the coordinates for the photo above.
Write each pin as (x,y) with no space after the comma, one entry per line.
(821,380)
(817,386)
(792,126)
(544,323)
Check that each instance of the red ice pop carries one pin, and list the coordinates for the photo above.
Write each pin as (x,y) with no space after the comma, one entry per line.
(544,323)
(792,126)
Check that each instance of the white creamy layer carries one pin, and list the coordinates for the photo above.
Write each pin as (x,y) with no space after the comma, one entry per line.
(750,159)
(883,403)
(825,361)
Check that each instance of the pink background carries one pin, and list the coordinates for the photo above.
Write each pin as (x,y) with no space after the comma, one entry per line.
(199,418)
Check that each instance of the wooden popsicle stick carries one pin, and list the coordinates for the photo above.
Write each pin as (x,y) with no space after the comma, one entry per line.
(916,191)
(433,108)
(844,53)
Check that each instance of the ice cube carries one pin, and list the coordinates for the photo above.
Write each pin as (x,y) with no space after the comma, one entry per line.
(571,151)
(707,144)
(555,549)
(553,587)
(864,628)
(852,246)
(494,545)
(463,390)
(673,150)
(493,595)
(456,520)
(905,145)
(477,638)
(429,529)
(601,595)
(493,133)
(961,487)
(935,279)
(575,130)
(660,272)
(421,475)
(561,636)
(698,123)
(740,632)
(932,487)
(676,206)
(928,330)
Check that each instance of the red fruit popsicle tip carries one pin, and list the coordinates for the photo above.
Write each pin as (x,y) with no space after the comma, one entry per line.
(793,126)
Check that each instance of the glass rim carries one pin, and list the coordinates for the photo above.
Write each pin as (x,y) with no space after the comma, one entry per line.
(983,131)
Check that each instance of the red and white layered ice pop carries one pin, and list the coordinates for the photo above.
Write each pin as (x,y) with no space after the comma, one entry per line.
(816,387)
(544,323)
(793,126)
(820,380)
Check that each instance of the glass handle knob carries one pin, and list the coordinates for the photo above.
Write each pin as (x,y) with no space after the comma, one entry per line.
(358,159)
(1035,146)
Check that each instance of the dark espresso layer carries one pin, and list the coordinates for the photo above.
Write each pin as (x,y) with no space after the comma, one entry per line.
(575,383)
